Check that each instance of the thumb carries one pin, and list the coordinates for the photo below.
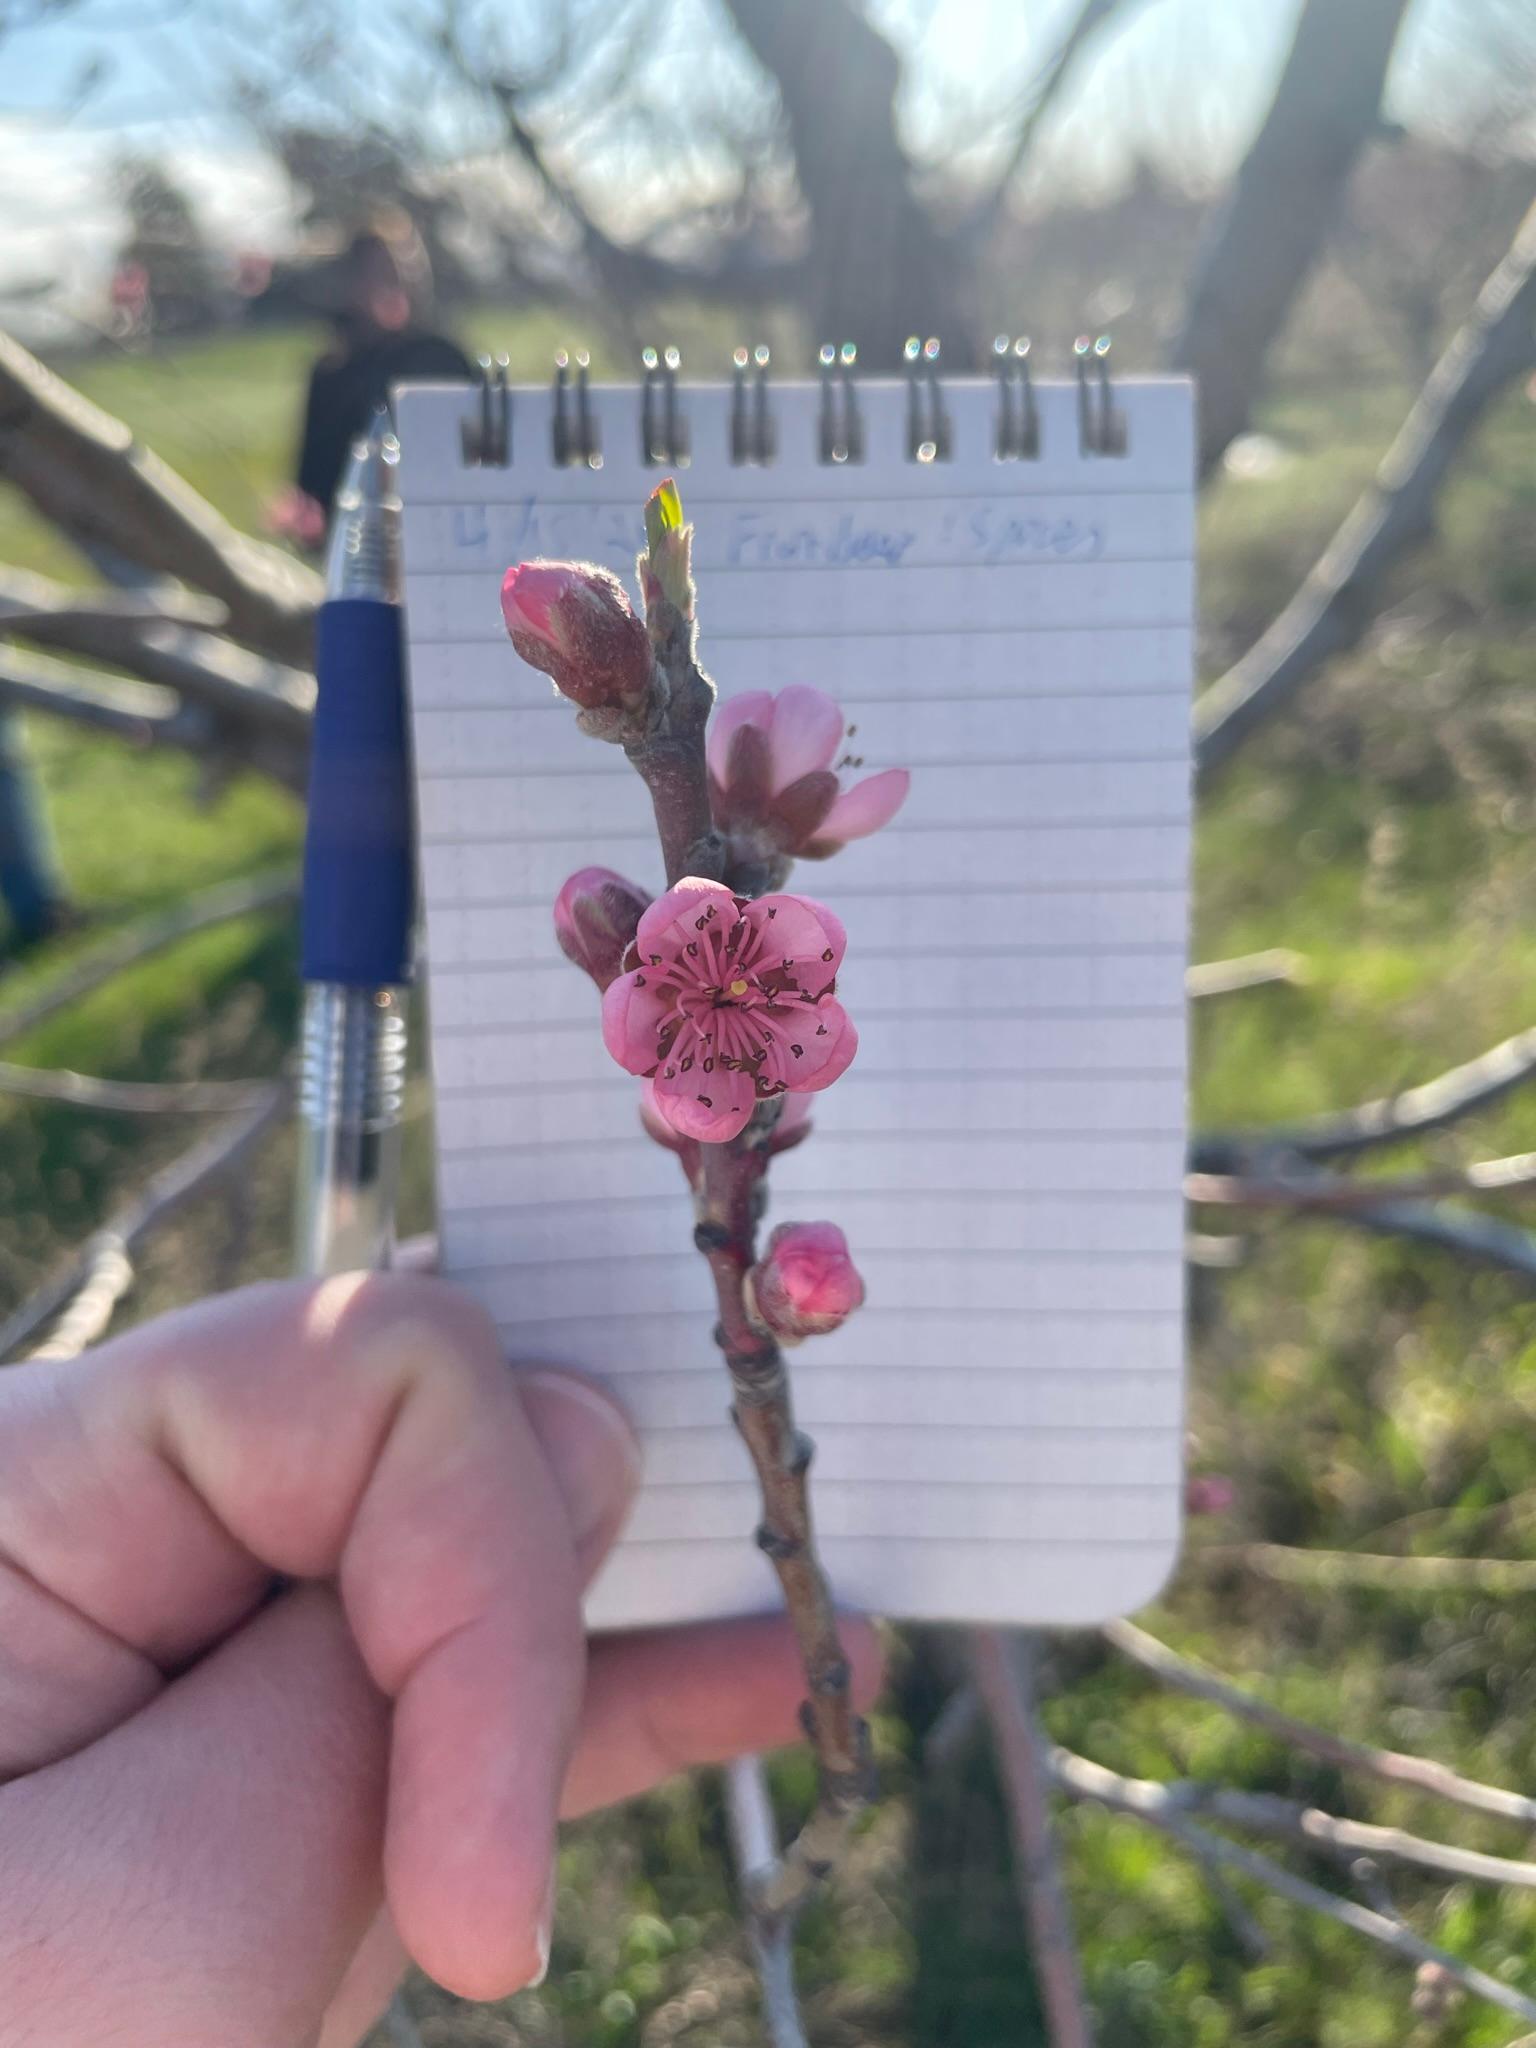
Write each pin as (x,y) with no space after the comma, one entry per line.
(592,1452)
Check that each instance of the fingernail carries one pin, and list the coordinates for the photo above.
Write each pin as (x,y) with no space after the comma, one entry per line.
(544,1934)
(590,1445)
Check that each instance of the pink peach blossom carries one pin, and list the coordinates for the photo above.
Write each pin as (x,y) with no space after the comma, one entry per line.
(573,621)
(596,914)
(729,1003)
(806,1283)
(771,769)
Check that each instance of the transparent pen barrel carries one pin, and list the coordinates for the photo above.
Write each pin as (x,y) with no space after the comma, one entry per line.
(351,1095)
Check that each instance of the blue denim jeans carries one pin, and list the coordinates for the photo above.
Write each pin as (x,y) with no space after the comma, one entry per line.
(29,878)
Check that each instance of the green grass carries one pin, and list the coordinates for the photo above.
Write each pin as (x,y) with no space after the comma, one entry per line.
(1383,830)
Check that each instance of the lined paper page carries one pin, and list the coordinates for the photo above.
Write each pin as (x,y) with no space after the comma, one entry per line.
(999,1429)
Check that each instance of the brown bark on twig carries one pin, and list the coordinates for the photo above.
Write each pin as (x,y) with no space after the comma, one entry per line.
(1005,1677)
(1334,605)
(90,477)
(729,1197)
(727,1207)
(1283,203)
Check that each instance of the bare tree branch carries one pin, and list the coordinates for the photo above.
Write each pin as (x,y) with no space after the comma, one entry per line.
(1005,1677)
(139,714)
(1334,605)
(259,709)
(1039,97)
(1267,1814)
(1390,1119)
(134,1098)
(1247,970)
(90,477)
(1329,1193)
(1499,1577)
(85,1295)
(755,1848)
(1392,1766)
(1283,202)
(1152,1803)
(145,937)
(879,266)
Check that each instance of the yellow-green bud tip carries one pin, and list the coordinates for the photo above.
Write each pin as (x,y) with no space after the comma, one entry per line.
(663,511)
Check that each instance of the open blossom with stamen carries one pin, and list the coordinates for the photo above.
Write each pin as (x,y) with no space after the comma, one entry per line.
(726,1003)
(771,772)
(806,1283)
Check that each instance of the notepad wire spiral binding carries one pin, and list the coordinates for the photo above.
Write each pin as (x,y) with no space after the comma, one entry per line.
(486,431)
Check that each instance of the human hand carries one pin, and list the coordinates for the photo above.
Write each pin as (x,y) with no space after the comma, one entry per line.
(226,1811)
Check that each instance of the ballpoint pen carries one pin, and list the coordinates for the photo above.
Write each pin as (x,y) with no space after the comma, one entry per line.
(359,884)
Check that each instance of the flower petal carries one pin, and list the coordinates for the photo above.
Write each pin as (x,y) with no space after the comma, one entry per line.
(866,807)
(710,1108)
(806,732)
(669,922)
(827,1042)
(752,707)
(633,1013)
(795,929)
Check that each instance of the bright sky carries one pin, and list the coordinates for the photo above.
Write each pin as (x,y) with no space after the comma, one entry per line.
(1183,81)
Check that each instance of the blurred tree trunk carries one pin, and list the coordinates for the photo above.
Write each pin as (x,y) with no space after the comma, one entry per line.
(879,267)
(1273,227)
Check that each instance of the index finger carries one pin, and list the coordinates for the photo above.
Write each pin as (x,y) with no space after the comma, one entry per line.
(364,1428)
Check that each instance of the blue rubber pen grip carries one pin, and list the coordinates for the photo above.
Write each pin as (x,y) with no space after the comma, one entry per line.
(359,853)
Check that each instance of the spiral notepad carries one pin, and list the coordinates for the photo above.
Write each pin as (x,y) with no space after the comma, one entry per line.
(994,578)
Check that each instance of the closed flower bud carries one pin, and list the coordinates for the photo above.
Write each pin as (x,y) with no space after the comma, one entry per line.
(806,1283)
(573,621)
(596,914)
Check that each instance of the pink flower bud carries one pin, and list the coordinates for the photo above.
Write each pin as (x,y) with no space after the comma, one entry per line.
(573,621)
(596,914)
(1208,1493)
(806,1283)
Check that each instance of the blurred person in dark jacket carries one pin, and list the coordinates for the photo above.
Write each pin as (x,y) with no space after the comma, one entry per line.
(30,882)
(382,313)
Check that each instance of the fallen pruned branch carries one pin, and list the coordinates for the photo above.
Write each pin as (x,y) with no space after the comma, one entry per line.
(89,476)
(1158,1807)
(1247,970)
(1331,1193)
(145,937)
(1500,1577)
(1411,1113)
(1392,1766)
(1005,1678)
(755,1850)
(1336,603)
(141,715)
(254,706)
(82,1300)
(135,1098)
